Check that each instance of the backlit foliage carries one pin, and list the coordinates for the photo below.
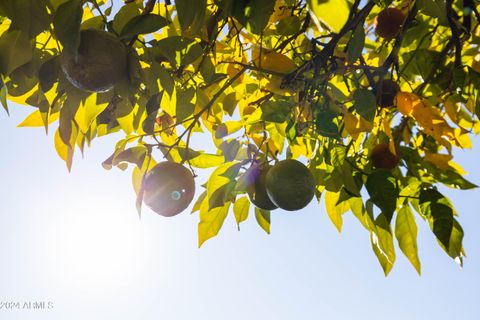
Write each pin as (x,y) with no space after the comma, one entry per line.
(268,80)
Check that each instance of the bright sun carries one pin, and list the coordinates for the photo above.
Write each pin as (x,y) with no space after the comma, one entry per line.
(95,248)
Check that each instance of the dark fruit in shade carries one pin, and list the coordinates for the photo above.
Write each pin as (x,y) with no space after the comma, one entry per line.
(386,91)
(389,23)
(100,62)
(169,188)
(383,158)
(257,192)
(290,185)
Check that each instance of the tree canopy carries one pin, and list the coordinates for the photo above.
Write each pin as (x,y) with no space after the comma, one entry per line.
(373,96)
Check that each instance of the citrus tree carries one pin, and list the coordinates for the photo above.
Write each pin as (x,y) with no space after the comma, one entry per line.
(371,97)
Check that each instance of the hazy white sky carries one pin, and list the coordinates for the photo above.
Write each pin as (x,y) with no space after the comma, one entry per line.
(75,240)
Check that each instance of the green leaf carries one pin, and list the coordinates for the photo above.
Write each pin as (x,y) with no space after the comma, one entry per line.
(454,180)
(211,221)
(179,50)
(124,16)
(206,160)
(227,128)
(382,188)
(440,214)
(331,13)
(191,14)
(254,14)
(263,219)
(31,17)
(382,243)
(185,108)
(48,73)
(455,248)
(288,26)
(422,62)
(3,94)
(143,24)
(15,51)
(406,234)
(166,80)
(198,204)
(64,151)
(93,23)
(135,155)
(365,103)
(326,125)
(356,44)
(67,20)
(358,210)
(221,183)
(337,155)
(277,109)
(240,210)
(435,9)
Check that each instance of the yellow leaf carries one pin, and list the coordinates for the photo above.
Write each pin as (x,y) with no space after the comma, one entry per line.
(451,110)
(263,219)
(35,119)
(280,11)
(332,13)
(169,103)
(355,125)
(441,161)
(276,62)
(240,210)
(65,152)
(405,102)
(22,99)
(88,112)
(211,221)
(462,139)
(335,210)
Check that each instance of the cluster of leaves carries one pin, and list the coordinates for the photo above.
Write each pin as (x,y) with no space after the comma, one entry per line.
(268,79)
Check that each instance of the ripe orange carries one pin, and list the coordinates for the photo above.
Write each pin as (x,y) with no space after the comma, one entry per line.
(389,23)
(383,158)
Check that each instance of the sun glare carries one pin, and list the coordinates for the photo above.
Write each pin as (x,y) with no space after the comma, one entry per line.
(96,248)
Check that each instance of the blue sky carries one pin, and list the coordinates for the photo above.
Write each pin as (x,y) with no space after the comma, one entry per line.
(75,240)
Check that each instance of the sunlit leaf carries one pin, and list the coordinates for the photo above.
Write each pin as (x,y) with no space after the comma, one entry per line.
(406,234)
(240,210)
(211,221)
(322,13)
(263,219)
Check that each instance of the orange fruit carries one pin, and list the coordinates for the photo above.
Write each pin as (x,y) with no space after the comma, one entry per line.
(389,23)
(290,185)
(100,61)
(383,158)
(257,191)
(169,188)
(386,91)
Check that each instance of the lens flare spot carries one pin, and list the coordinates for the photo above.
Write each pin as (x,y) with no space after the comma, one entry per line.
(176,195)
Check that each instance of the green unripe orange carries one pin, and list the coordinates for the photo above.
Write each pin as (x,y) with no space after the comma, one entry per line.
(257,191)
(99,63)
(290,185)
